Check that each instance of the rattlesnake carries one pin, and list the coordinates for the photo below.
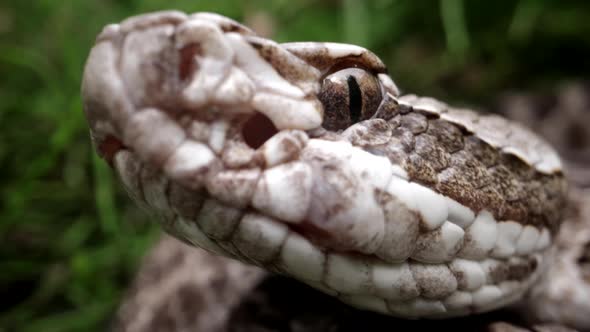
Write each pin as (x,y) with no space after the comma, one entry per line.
(304,159)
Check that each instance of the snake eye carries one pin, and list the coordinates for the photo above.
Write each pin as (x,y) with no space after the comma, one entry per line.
(349,95)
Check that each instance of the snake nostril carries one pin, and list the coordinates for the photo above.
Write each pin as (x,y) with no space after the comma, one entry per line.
(187,64)
(257,130)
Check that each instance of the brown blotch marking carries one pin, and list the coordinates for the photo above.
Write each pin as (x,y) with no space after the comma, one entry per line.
(460,276)
(187,64)
(338,190)
(291,148)
(433,284)
(160,73)
(514,270)
(406,221)
(522,270)
(427,239)
(499,273)
(320,59)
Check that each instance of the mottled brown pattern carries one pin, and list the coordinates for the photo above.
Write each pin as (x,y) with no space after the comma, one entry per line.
(515,269)
(459,165)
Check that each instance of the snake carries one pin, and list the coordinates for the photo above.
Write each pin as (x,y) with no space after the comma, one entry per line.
(305,159)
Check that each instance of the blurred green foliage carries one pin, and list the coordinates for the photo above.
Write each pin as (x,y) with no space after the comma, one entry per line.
(71,240)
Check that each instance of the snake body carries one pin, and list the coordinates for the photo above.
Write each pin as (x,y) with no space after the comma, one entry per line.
(305,159)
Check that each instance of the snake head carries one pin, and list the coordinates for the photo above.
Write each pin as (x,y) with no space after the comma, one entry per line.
(303,158)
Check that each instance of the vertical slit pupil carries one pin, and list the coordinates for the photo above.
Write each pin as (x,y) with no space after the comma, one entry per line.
(355,99)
